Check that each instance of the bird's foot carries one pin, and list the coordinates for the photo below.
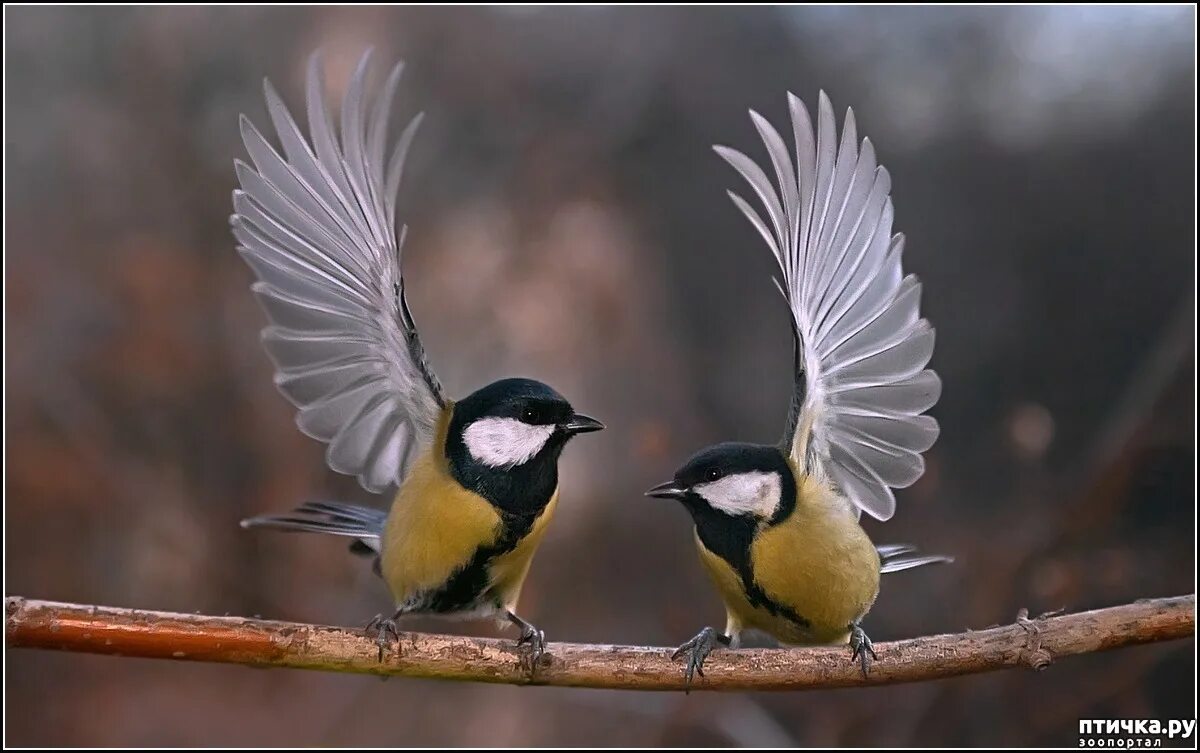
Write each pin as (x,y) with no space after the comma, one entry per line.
(860,647)
(697,650)
(383,629)
(532,637)
(536,639)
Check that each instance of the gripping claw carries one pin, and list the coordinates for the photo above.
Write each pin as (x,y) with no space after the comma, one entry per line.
(697,650)
(860,646)
(534,638)
(383,629)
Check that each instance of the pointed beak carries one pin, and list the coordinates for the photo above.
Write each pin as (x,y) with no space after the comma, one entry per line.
(669,490)
(581,424)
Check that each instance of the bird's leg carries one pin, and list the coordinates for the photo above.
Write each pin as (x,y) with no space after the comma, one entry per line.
(383,628)
(534,637)
(860,646)
(697,650)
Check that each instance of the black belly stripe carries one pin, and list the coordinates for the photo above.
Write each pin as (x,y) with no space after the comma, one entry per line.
(467,587)
(729,538)
(759,598)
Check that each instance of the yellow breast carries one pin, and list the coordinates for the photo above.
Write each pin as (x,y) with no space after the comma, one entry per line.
(435,525)
(738,609)
(819,563)
(508,570)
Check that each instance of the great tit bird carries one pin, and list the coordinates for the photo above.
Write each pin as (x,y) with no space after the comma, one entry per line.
(777,526)
(476,480)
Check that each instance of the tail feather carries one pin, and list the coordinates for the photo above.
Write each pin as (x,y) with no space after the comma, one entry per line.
(369,516)
(364,524)
(897,557)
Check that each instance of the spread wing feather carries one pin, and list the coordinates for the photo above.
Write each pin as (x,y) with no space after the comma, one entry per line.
(316,223)
(861,345)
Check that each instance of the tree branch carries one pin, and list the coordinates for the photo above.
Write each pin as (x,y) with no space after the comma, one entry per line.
(162,635)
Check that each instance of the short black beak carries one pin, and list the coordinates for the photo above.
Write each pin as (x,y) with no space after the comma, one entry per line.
(581,424)
(669,490)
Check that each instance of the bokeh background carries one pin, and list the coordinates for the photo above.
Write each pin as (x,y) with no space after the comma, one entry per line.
(568,222)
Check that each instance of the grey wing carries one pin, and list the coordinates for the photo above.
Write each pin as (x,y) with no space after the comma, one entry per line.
(861,345)
(317,225)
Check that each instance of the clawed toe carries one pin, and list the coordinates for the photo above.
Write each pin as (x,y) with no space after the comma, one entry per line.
(697,650)
(536,640)
(386,632)
(860,647)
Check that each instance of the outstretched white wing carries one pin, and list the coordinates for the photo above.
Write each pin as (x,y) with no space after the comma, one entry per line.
(861,346)
(317,225)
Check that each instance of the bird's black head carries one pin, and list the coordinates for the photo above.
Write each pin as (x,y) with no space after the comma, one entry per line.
(734,480)
(504,441)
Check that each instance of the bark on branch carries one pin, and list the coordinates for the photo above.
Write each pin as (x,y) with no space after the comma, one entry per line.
(162,635)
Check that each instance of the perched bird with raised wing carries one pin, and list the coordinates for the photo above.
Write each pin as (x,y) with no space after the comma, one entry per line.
(476,480)
(777,526)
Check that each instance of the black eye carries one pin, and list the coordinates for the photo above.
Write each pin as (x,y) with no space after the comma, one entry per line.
(529,415)
(713,474)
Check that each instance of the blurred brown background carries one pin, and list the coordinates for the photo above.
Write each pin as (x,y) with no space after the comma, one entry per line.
(568,222)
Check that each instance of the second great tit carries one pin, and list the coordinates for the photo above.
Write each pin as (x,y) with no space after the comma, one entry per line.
(477,479)
(777,526)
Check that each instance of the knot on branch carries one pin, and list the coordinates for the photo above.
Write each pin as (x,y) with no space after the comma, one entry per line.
(1033,654)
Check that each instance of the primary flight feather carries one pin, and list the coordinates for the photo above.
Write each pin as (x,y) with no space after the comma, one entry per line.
(318,226)
(861,383)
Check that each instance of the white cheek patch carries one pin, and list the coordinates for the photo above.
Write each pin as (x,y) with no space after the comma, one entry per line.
(505,442)
(753,493)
